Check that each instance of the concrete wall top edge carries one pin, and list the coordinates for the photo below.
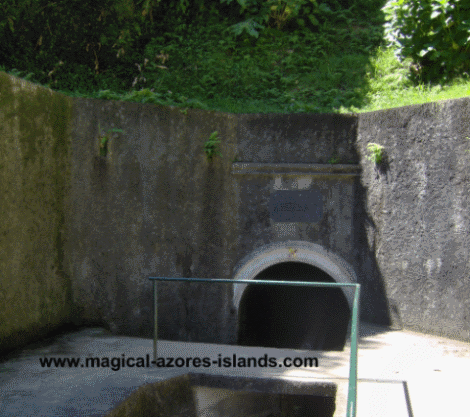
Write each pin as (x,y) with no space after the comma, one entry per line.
(248,116)
(277,116)
(412,108)
(183,110)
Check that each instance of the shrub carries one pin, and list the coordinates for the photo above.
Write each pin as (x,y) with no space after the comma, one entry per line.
(435,34)
(275,13)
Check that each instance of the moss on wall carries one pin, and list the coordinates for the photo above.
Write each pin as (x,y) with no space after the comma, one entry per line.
(35,291)
(156,206)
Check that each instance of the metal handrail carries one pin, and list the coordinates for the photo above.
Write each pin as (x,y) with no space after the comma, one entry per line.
(352,383)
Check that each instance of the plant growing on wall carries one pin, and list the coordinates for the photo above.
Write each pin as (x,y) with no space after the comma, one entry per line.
(334,160)
(104,138)
(210,147)
(376,153)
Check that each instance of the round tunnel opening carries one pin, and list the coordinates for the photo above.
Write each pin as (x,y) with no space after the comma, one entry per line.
(291,317)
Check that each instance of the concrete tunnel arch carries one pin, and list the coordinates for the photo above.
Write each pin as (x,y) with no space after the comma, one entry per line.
(307,259)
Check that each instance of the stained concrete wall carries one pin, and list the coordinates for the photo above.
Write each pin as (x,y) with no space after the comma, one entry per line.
(35,290)
(418,213)
(156,206)
(168,233)
(296,138)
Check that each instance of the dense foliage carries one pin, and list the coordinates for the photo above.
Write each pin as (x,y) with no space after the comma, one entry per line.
(230,55)
(56,38)
(435,34)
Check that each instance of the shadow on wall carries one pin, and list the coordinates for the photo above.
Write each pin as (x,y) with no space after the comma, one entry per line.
(293,317)
(375,306)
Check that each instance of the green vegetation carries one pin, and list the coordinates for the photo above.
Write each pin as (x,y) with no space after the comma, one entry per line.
(244,56)
(376,153)
(334,160)
(210,147)
(104,138)
(435,34)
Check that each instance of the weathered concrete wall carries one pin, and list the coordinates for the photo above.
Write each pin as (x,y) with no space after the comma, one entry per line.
(35,290)
(417,205)
(87,230)
(155,205)
(268,143)
(298,138)
(295,138)
(335,187)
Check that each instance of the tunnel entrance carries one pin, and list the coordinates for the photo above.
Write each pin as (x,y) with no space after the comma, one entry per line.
(293,317)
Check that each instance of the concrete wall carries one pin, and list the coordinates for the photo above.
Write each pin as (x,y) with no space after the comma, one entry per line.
(35,290)
(296,138)
(90,229)
(155,205)
(418,213)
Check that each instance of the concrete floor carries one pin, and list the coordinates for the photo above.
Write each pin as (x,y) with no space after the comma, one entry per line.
(401,373)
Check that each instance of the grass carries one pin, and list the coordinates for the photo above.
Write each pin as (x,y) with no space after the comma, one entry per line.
(342,67)
(390,86)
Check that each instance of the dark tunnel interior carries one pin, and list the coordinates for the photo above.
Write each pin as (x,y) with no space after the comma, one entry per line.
(293,317)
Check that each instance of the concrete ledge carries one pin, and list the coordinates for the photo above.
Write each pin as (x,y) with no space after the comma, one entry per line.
(200,394)
(243,168)
(272,385)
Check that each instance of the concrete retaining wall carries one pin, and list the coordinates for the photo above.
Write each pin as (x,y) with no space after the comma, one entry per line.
(418,213)
(35,289)
(155,205)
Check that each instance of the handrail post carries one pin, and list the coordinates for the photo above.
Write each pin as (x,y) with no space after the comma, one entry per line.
(155,331)
(352,392)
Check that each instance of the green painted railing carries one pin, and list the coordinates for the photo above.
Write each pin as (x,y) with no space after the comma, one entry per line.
(352,387)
